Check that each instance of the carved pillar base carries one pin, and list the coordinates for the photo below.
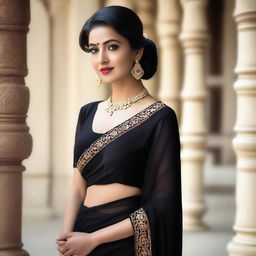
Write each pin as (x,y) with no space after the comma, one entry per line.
(14,252)
(194,206)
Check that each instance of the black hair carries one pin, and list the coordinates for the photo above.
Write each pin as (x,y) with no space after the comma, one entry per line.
(126,23)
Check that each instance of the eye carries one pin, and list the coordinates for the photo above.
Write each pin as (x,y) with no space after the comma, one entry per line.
(93,50)
(113,47)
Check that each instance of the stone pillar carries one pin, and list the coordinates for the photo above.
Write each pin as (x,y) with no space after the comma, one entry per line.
(146,11)
(194,38)
(15,141)
(127,3)
(244,242)
(228,94)
(170,53)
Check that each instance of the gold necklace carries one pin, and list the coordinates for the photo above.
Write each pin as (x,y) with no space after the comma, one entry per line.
(111,107)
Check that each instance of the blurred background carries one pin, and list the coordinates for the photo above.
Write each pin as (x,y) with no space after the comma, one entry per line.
(197,46)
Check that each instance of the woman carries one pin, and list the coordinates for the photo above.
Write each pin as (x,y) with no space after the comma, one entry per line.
(126,193)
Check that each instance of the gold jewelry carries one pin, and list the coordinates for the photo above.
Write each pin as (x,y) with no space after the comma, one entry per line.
(111,107)
(99,82)
(137,70)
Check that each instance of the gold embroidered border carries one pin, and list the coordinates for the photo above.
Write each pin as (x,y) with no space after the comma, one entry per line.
(142,233)
(117,131)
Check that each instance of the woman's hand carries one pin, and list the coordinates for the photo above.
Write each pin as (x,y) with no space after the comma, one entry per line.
(76,243)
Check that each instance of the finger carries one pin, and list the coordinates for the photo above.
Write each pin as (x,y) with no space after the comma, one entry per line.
(63,236)
(61,243)
(64,248)
(60,249)
(68,253)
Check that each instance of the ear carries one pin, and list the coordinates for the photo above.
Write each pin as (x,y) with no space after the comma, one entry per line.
(139,54)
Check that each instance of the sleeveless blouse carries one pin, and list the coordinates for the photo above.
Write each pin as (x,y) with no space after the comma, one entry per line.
(124,160)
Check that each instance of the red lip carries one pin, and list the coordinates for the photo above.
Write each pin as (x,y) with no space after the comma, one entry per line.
(106,70)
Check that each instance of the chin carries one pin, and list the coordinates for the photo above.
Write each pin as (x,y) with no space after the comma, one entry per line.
(111,80)
(118,79)
(107,81)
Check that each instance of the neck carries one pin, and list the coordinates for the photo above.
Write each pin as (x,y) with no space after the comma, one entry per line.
(126,89)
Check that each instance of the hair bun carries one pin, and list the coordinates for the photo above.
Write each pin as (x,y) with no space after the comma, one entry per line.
(149,58)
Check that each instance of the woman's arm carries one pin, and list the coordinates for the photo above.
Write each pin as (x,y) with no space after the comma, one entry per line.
(76,196)
(83,243)
(117,231)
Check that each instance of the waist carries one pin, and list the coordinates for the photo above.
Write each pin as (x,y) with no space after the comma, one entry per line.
(97,217)
(101,194)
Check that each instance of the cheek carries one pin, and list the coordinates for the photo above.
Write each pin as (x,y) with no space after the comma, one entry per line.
(124,61)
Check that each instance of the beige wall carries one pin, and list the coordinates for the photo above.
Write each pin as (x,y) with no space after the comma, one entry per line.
(36,180)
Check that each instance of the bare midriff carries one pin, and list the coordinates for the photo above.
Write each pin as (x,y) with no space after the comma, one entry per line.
(101,194)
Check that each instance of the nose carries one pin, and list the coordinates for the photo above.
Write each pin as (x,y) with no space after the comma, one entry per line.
(103,57)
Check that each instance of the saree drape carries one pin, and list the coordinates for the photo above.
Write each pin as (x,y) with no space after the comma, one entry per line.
(157,216)
(161,208)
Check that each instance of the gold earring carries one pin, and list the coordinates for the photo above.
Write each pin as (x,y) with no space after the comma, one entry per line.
(99,82)
(137,70)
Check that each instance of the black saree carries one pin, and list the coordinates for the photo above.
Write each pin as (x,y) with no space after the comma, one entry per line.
(143,151)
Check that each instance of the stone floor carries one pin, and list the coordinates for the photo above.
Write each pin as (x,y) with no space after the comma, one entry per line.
(39,234)
(219,219)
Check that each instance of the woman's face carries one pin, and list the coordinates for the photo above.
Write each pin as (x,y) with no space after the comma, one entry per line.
(111,54)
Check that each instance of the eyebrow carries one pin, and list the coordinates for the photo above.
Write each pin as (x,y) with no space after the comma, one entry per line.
(106,42)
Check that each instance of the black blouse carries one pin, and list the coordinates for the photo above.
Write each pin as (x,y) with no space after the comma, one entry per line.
(144,152)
